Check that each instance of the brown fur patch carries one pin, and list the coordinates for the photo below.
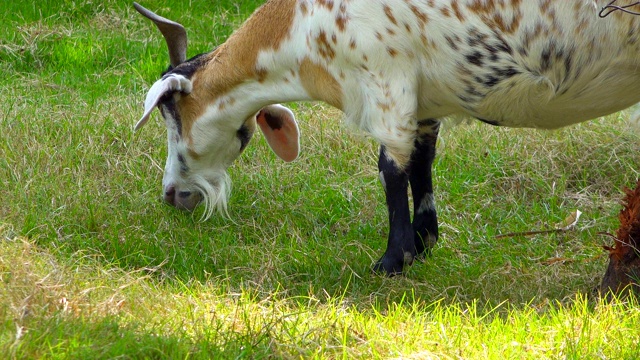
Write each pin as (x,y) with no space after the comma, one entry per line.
(324,47)
(342,18)
(389,13)
(421,16)
(320,84)
(194,155)
(326,3)
(233,62)
(303,8)
(341,22)
(490,10)
(456,11)
(190,107)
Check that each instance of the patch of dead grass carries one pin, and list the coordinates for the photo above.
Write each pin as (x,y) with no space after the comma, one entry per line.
(35,284)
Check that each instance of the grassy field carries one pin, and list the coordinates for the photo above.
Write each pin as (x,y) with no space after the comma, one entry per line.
(94,265)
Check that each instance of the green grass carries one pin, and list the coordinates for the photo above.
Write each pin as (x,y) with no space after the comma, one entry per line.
(94,265)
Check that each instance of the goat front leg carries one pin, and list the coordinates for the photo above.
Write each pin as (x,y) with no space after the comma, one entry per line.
(401,249)
(425,220)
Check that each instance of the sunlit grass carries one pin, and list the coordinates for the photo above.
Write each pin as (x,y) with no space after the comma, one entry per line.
(83,308)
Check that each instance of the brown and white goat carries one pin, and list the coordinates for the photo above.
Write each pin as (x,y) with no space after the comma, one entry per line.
(394,67)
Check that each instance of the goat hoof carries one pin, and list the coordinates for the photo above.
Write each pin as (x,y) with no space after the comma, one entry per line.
(424,249)
(379,268)
(422,257)
(392,266)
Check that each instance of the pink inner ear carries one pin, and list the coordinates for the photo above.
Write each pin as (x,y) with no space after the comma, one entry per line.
(281,131)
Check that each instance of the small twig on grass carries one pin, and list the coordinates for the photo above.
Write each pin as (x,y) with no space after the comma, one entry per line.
(568,224)
(556,260)
(529,233)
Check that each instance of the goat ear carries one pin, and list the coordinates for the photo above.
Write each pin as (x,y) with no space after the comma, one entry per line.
(166,85)
(281,131)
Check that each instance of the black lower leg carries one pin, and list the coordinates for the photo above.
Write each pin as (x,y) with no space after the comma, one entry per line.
(400,245)
(425,221)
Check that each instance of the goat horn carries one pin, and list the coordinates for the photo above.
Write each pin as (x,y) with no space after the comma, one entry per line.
(174,34)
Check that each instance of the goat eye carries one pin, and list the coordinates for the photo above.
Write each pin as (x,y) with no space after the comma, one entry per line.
(244,135)
(183,164)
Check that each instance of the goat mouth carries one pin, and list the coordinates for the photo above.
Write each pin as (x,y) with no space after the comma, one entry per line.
(183,200)
(187,200)
(213,193)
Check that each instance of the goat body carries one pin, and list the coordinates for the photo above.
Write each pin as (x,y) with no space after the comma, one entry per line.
(394,67)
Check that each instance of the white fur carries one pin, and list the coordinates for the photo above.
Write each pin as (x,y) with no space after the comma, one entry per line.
(428,203)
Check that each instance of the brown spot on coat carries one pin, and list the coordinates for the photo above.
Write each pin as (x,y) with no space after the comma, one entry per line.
(421,16)
(341,22)
(193,154)
(389,13)
(456,11)
(488,9)
(324,47)
(342,18)
(320,84)
(328,4)
(383,106)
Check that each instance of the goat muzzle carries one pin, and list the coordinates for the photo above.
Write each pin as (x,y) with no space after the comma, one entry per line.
(183,200)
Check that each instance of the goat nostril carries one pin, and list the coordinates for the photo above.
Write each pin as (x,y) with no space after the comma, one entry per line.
(170,194)
(184,194)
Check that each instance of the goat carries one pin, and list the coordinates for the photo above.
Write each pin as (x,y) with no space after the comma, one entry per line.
(394,68)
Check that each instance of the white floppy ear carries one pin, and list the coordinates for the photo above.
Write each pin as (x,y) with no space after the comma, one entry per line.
(166,85)
(281,131)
